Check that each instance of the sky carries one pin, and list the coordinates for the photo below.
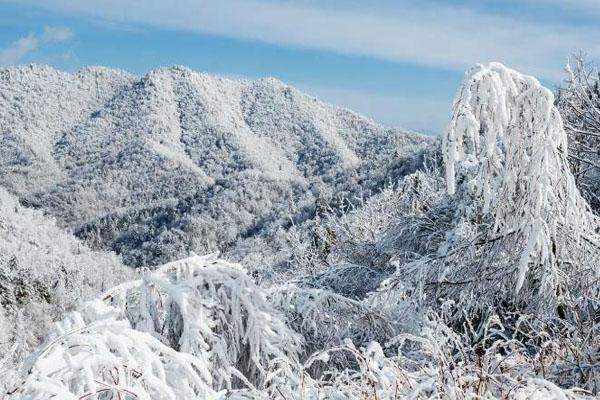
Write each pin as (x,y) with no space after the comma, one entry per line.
(398,62)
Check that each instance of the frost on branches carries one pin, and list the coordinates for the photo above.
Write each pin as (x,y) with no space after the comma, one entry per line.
(578,100)
(187,330)
(505,155)
(199,328)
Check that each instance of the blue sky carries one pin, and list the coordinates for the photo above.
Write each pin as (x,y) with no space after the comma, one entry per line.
(399,62)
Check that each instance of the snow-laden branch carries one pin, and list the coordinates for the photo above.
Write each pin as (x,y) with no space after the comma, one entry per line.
(187,330)
(505,154)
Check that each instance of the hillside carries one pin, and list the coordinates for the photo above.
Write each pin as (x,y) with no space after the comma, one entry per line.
(156,166)
(44,273)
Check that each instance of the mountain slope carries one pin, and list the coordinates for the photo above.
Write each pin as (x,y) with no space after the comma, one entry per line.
(174,161)
(44,272)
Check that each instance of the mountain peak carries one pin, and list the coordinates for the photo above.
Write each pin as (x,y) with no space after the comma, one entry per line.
(117,141)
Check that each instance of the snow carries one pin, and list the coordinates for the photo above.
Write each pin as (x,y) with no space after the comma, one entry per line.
(146,165)
(44,272)
(506,144)
(472,274)
(186,330)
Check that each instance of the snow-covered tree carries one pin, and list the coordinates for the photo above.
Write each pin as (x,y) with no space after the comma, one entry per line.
(187,330)
(44,273)
(578,100)
(505,155)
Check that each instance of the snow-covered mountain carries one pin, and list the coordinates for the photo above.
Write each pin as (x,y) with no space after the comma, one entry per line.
(155,166)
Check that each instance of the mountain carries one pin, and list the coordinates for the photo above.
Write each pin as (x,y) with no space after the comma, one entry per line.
(476,275)
(175,161)
(44,272)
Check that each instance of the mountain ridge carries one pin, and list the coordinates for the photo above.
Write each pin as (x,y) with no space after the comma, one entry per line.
(83,145)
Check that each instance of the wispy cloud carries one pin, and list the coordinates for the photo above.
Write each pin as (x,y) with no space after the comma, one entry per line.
(581,5)
(417,32)
(55,34)
(17,51)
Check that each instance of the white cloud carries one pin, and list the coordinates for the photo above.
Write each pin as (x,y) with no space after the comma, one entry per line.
(17,51)
(437,36)
(56,34)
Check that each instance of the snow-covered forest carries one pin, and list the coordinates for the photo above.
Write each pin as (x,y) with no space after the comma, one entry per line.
(183,236)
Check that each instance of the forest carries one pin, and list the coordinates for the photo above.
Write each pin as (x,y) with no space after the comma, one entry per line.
(182,236)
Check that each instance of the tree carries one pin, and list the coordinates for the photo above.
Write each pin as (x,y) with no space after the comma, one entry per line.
(505,154)
(578,100)
(187,330)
